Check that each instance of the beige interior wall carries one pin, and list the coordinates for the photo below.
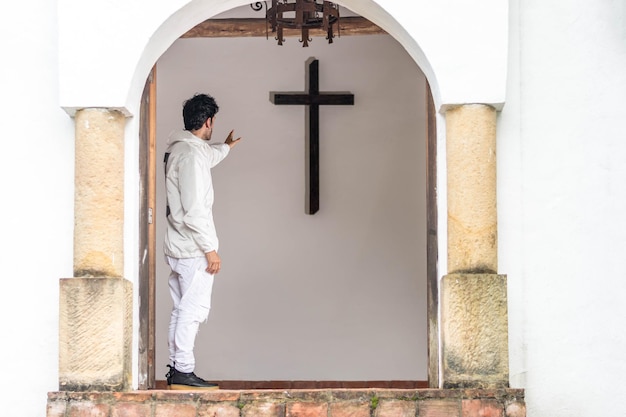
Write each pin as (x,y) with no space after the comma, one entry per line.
(340,295)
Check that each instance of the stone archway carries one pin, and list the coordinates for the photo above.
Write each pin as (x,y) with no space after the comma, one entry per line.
(471,244)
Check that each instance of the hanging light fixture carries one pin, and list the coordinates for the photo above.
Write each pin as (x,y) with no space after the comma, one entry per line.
(303,15)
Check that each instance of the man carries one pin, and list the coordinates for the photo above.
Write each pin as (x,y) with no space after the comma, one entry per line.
(191,242)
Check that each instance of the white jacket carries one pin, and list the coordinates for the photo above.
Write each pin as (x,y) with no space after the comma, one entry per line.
(190,229)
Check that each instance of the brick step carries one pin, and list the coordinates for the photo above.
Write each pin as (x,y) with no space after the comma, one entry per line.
(372,402)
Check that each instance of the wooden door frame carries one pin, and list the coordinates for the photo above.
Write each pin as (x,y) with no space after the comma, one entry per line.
(432,245)
(147,233)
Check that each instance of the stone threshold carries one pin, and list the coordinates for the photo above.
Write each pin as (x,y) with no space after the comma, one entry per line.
(310,385)
(371,402)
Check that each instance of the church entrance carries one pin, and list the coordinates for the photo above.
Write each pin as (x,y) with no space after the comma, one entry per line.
(376,229)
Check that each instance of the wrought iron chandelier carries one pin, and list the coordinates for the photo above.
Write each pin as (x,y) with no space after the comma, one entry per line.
(303,15)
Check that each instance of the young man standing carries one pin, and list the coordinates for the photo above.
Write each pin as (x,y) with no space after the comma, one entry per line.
(191,242)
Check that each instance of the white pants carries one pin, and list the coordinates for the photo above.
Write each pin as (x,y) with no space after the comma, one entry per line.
(190,288)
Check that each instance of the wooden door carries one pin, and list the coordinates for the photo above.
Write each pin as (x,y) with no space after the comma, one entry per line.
(147,232)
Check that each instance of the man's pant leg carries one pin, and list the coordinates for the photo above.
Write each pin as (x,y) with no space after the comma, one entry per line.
(191,290)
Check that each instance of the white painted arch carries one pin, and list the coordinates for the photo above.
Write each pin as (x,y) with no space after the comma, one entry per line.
(106,49)
(105,59)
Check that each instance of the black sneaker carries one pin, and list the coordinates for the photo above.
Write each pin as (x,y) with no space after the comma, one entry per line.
(185,381)
(169,375)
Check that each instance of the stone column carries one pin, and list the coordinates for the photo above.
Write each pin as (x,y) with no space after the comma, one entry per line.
(474,324)
(99,194)
(95,329)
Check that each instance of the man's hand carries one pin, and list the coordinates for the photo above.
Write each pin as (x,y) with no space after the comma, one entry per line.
(215,263)
(230,141)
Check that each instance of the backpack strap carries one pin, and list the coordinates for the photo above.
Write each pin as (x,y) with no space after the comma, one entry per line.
(165,158)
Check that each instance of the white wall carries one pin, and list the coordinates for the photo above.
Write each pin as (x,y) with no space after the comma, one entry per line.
(460,46)
(562,148)
(36,207)
(340,295)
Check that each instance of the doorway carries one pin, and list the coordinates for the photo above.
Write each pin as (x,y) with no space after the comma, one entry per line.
(292,201)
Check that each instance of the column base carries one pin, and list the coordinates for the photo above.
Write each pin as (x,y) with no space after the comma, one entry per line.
(95,334)
(474,330)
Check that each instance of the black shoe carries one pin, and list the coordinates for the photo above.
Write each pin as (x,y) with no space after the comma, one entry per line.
(169,375)
(184,381)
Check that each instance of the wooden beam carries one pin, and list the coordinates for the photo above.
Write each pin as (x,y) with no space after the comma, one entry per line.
(251,27)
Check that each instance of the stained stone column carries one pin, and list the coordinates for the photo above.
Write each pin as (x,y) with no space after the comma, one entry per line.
(474,324)
(95,329)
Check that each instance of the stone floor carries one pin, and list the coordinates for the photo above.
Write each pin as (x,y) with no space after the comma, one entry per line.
(367,402)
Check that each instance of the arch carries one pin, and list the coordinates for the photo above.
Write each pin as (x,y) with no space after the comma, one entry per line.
(197,11)
(434,356)
(187,17)
(460,48)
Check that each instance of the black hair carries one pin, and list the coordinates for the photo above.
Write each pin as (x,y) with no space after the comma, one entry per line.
(197,110)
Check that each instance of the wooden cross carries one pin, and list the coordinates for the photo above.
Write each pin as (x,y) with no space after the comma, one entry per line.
(313,99)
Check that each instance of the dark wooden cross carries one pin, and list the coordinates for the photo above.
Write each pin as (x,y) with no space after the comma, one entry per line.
(313,99)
